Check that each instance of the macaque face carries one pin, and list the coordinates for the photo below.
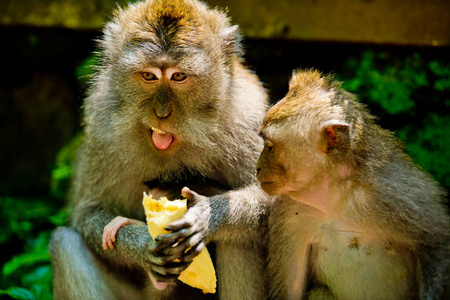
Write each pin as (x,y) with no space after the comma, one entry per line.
(271,172)
(172,100)
(165,89)
(292,161)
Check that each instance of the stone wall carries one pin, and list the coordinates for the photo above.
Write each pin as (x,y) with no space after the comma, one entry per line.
(402,22)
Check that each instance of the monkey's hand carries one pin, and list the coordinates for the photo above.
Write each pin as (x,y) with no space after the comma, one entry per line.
(187,238)
(162,263)
(134,242)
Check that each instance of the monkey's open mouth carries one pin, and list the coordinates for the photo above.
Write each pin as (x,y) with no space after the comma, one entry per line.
(161,139)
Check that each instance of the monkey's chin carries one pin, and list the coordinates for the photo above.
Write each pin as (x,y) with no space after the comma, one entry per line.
(270,188)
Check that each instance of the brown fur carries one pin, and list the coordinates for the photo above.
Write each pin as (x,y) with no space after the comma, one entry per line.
(214,117)
(356,215)
(349,215)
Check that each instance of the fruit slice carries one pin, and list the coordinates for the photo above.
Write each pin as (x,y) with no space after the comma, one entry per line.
(159,213)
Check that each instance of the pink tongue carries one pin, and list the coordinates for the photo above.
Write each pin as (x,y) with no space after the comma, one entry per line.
(162,141)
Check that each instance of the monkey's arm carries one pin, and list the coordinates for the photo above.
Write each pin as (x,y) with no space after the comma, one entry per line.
(434,271)
(134,246)
(110,230)
(416,212)
(237,216)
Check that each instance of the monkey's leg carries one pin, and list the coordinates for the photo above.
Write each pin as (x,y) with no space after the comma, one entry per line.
(78,274)
(240,269)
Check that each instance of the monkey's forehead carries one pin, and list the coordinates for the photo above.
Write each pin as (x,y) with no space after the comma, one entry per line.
(176,28)
(148,19)
(303,104)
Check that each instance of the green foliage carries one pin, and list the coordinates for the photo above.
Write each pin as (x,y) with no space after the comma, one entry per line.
(442,73)
(62,171)
(31,268)
(33,265)
(18,293)
(390,84)
(87,68)
(429,145)
(19,223)
(28,275)
(411,95)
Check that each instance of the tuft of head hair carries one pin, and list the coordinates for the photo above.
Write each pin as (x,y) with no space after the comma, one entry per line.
(307,89)
(170,25)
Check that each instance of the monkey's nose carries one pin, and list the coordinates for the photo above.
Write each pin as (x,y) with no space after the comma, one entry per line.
(163,112)
(258,170)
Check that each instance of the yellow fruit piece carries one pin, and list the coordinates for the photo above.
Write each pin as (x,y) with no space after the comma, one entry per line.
(159,213)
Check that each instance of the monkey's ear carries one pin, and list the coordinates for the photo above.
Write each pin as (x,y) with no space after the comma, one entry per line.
(232,38)
(337,137)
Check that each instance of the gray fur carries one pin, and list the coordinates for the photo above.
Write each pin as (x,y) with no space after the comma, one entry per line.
(352,217)
(216,120)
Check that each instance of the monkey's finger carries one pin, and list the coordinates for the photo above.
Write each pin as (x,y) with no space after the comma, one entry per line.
(187,193)
(183,226)
(175,252)
(136,222)
(116,224)
(110,244)
(193,252)
(194,244)
(168,270)
(173,237)
(104,246)
(192,196)
(192,241)
(170,258)
(176,268)
(163,278)
(164,244)
(106,233)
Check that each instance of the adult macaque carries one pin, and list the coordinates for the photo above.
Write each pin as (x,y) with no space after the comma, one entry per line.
(353,216)
(171,105)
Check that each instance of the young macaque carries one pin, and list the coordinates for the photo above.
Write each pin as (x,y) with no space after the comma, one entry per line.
(350,216)
(171,104)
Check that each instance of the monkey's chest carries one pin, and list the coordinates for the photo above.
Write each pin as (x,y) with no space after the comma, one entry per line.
(356,266)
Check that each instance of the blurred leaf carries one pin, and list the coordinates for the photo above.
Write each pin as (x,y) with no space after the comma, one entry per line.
(18,293)
(62,172)
(20,222)
(442,73)
(411,95)
(25,259)
(60,218)
(40,274)
(429,145)
(40,281)
(87,69)
(37,252)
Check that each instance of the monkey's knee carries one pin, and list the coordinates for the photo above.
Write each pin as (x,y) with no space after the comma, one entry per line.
(77,274)
(67,252)
(63,241)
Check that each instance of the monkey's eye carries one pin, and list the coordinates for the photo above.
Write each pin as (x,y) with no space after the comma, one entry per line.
(178,76)
(148,76)
(269,146)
